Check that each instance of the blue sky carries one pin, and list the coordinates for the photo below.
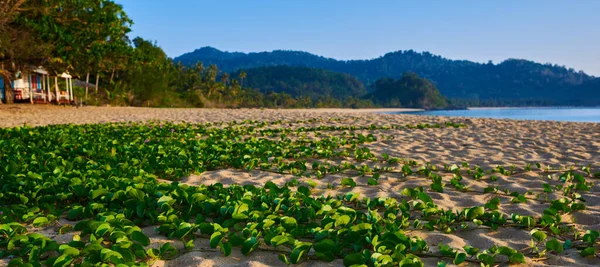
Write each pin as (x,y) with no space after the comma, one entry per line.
(561,32)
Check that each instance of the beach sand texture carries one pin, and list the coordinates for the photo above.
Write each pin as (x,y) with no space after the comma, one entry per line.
(483,142)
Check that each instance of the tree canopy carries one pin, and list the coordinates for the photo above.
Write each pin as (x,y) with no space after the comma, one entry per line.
(303,82)
(409,91)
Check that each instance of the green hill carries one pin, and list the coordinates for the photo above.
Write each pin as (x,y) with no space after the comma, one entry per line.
(512,81)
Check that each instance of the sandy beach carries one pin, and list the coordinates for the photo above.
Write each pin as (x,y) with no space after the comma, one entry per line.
(483,142)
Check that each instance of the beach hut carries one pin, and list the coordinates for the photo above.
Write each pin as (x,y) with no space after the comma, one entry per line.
(65,96)
(34,86)
(37,88)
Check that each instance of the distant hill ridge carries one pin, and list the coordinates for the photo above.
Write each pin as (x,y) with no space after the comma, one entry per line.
(512,80)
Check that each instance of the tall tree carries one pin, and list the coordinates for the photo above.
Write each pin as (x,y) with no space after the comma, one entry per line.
(20,47)
(242,77)
(61,35)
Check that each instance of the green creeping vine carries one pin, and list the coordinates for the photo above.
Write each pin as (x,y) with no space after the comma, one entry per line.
(104,178)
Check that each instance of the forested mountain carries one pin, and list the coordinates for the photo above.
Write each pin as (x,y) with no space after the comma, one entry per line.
(303,82)
(511,81)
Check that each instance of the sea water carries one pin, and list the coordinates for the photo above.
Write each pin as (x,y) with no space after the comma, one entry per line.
(538,113)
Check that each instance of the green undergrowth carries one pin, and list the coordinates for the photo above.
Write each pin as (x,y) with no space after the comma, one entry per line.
(103,178)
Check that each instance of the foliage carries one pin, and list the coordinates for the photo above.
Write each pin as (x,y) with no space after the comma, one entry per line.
(303,82)
(409,91)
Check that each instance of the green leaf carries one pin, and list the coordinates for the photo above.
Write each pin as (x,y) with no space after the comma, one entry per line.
(475,212)
(215,238)
(165,200)
(411,261)
(304,190)
(324,245)
(486,259)
(517,257)
(240,211)
(99,192)
(589,251)
(24,199)
(361,227)
(283,258)
(348,182)
(506,251)
(459,258)
(167,251)
(289,223)
(342,220)
(140,237)
(590,236)
(249,245)
(424,197)
(554,245)
(108,255)
(299,250)
(279,240)
(325,256)
(68,250)
(102,229)
(226,248)
(40,221)
(538,235)
(470,250)
(438,187)
(63,260)
(354,259)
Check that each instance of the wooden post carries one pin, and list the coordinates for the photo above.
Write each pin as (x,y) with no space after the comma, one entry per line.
(97,80)
(71,85)
(87,82)
(44,87)
(67,88)
(30,89)
(48,88)
(57,95)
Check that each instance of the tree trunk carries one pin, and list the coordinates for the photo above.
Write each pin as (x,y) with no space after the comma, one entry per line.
(112,75)
(8,90)
(97,81)
(87,82)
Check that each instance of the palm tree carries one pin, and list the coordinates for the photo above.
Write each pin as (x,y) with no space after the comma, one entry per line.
(225,79)
(199,67)
(242,77)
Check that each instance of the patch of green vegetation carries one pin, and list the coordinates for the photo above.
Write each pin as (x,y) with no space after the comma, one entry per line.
(104,178)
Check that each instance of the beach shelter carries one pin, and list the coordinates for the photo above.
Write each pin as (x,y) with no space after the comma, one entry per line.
(33,86)
(65,96)
(39,86)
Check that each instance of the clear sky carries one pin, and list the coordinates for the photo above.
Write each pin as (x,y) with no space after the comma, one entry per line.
(562,32)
